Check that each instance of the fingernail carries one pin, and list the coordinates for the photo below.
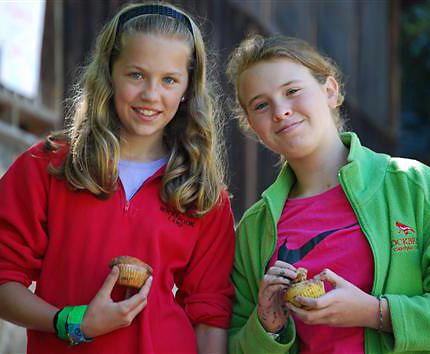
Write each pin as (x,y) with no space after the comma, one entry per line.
(114,270)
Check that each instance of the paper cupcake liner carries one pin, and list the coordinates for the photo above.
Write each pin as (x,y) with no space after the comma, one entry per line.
(132,275)
(308,288)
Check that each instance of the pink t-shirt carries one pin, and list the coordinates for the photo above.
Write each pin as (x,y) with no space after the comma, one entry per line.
(322,232)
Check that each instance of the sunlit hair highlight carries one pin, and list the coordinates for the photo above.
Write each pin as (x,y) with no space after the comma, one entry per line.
(256,49)
(194,174)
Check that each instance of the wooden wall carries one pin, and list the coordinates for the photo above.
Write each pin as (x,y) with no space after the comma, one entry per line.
(359,34)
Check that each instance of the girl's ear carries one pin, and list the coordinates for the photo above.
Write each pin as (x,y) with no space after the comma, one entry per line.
(331,88)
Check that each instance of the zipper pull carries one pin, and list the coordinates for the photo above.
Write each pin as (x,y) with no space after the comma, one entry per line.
(127,205)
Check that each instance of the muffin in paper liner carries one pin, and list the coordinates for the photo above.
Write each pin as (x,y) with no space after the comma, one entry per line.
(132,271)
(302,287)
(309,288)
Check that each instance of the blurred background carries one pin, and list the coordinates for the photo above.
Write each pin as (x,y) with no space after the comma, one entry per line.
(382,47)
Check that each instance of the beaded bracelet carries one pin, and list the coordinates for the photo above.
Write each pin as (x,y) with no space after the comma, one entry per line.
(381,315)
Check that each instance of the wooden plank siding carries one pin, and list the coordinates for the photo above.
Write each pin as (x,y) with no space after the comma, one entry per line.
(357,34)
(361,35)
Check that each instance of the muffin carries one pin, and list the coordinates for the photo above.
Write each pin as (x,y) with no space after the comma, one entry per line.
(132,271)
(302,287)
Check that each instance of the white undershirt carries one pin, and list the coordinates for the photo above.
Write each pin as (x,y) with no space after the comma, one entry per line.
(133,174)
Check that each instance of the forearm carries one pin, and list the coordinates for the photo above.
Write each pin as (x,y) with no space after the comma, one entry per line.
(211,339)
(20,306)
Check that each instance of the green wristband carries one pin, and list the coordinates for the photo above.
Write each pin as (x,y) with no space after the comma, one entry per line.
(73,325)
(62,321)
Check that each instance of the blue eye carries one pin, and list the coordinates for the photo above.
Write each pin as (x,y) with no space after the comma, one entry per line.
(169,80)
(135,75)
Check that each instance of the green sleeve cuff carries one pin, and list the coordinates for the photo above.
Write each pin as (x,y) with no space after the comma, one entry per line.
(266,342)
(410,318)
(252,338)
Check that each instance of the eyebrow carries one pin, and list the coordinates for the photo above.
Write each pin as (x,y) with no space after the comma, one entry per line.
(139,68)
(288,83)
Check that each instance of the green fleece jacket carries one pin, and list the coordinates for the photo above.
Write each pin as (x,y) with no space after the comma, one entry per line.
(391,199)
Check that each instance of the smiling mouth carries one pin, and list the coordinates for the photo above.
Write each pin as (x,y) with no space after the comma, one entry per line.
(146,112)
(289,127)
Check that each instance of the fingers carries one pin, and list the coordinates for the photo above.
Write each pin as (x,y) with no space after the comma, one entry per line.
(282,264)
(109,283)
(310,316)
(144,290)
(139,299)
(334,279)
(136,310)
(282,272)
(311,303)
(270,279)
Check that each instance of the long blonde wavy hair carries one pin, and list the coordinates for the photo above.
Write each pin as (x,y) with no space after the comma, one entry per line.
(256,49)
(194,174)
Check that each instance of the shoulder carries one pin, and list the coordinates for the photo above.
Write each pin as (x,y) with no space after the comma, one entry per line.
(39,157)
(256,209)
(409,168)
(404,165)
(254,216)
(411,171)
(222,207)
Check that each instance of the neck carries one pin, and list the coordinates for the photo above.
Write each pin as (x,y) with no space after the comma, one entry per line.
(318,173)
(142,150)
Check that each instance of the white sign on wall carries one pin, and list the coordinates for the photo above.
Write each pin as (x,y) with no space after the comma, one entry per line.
(21,33)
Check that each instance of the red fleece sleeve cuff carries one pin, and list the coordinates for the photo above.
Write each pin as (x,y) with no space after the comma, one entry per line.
(7,276)
(210,309)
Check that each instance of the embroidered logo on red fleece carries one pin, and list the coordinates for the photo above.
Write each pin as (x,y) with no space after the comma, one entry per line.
(407,243)
(176,217)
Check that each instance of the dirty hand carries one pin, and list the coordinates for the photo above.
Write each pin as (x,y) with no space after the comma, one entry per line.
(272,311)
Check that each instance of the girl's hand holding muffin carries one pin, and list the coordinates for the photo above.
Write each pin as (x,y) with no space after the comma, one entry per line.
(104,315)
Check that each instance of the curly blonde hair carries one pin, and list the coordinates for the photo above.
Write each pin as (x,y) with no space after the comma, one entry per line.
(194,174)
(256,49)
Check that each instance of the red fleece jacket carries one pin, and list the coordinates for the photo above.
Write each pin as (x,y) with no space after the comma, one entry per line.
(64,240)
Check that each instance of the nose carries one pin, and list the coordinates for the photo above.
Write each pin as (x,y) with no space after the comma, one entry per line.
(149,91)
(282,111)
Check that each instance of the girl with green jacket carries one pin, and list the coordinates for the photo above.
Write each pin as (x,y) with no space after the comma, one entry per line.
(355,219)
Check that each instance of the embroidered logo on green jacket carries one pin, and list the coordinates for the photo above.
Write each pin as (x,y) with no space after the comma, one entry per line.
(406,240)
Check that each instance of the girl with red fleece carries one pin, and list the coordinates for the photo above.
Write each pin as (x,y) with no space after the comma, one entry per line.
(137,173)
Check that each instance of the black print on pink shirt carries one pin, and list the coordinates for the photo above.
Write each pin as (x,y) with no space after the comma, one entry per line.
(293,256)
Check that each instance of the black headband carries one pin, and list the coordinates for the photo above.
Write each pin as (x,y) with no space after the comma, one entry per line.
(153,10)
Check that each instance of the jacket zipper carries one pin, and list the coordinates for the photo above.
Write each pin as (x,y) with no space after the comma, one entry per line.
(126,202)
